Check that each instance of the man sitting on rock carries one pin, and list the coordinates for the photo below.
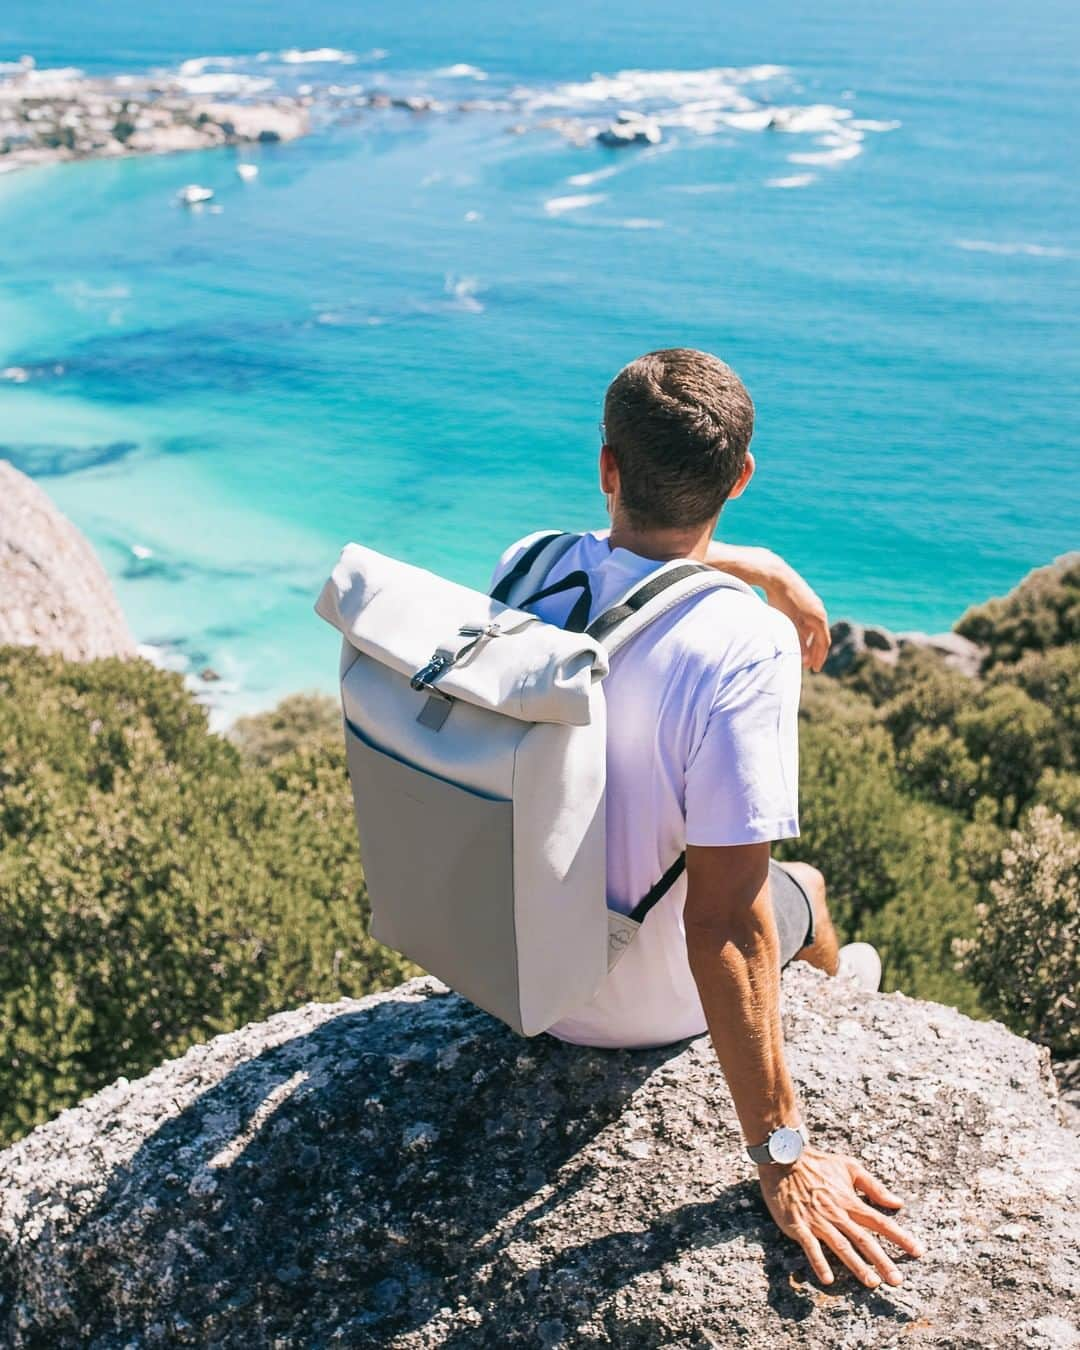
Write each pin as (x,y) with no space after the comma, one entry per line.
(703,753)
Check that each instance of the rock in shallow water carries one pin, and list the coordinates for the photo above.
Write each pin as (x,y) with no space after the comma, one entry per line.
(402,1171)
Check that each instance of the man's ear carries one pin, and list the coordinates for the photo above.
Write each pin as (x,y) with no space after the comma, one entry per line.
(609,472)
(743,478)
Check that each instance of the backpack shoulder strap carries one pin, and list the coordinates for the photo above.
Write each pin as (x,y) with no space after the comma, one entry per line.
(528,573)
(658,594)
(666,588)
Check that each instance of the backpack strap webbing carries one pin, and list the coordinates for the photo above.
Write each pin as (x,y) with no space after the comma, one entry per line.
(528,573)
(666,588)
(579,615)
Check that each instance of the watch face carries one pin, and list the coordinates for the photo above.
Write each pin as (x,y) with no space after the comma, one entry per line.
(785,1145)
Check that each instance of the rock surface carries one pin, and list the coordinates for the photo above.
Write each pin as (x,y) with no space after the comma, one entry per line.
(850,640)
(401,1171)
(54,593)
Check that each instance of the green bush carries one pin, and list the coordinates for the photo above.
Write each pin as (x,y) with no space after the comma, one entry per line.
(1025,956)
(299,721)
(1042,612)
(154,887)
(893,866)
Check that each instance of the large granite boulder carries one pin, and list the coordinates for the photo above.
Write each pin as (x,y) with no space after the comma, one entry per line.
(402,1171)
(54,593)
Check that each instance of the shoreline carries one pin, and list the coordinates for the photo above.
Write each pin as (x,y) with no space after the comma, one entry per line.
(58,116)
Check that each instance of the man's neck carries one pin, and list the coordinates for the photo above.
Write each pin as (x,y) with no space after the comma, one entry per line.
(661,544)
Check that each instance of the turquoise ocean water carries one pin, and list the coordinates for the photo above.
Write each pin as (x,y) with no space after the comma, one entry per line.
(400,333)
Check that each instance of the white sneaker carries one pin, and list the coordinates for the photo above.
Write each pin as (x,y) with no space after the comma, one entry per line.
(861,963)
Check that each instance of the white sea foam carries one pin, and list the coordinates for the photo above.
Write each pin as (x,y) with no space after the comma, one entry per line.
(869,124)
(224,83)
(835,155)
(198,65)
(141,551)
(1012,249)
(813,117)
(558,206)
(462,71)
(641,223)
(585,179)
(794,180)
(718,84)
(316,56)
(463,292)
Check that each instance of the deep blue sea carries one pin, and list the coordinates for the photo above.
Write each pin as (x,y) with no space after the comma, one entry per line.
(401,331)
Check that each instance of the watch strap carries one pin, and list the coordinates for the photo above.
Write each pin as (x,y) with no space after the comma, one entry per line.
(759,1153)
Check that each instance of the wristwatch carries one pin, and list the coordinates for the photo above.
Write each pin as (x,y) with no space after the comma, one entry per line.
(782,1146)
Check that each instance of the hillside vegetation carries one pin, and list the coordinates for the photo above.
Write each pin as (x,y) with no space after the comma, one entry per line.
(159,884)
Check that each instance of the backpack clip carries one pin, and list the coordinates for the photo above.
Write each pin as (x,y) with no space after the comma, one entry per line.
(424,677)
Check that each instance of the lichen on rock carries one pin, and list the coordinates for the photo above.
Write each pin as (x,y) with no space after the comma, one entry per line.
(401,1170)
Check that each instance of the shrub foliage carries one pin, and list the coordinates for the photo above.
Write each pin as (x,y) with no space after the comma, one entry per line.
(156,888)
(1026,953)
(160,884)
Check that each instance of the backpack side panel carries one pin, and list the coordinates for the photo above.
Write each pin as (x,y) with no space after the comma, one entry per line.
(560,867)
(439,864)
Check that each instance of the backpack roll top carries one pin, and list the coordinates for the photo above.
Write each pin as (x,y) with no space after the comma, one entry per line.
(479,650)
(475,736)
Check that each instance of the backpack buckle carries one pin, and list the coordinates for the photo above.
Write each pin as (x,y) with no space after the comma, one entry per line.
(424,678)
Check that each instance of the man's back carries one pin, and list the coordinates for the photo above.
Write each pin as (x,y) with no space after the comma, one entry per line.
(702,749)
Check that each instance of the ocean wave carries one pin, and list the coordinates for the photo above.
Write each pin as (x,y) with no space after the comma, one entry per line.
(1010,250)
(719,84)
(224,83)
(558,206)
(198,65)
(585,179)
(640,223)
(463,292)
(462,71)
(836,155)
(316,56)
(794,180)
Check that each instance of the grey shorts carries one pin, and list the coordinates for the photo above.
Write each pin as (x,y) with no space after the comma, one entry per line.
(793,910)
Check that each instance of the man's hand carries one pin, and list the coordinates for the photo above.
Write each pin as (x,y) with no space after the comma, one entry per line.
(816,1201)
(787,591)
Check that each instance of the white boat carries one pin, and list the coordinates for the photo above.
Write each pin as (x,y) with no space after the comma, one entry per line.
(194,195)
(247,172)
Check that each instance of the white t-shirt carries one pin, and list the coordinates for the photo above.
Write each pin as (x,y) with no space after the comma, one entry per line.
(702,749)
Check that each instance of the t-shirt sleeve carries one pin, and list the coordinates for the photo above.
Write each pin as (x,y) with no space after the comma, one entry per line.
(742,781)
(512,554)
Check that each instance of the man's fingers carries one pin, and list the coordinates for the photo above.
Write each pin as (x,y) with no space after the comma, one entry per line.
(812,1247)
(888,1228)
(873,1251)
(834,1239)
(874,1190)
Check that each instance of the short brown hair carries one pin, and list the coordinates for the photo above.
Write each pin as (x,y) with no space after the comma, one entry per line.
(679,423)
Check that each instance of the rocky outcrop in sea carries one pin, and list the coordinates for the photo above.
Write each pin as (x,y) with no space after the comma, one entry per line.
(402,1171)
(53,115)
(56,595)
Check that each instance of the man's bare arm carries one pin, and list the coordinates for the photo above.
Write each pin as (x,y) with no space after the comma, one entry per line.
(733,949)
(785,589)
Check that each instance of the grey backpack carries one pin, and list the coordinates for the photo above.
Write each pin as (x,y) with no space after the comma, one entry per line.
(476,741)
